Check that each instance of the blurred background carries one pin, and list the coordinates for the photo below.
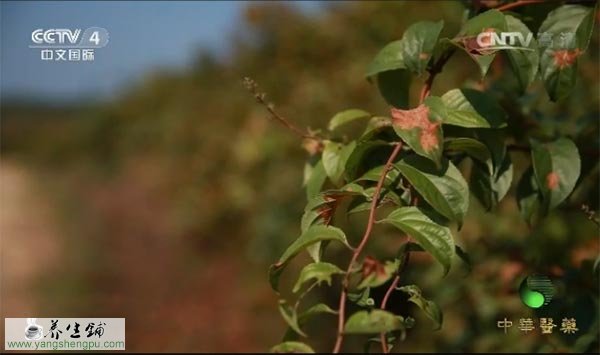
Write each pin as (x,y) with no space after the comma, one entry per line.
(149,185)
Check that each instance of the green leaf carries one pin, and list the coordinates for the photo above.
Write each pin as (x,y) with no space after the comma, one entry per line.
(421,128)
(418,43)
(375,173)
(313,311)
(346,117)
(376,321)
(557,166)
(290,316)
(488,186)
(304,317)
(354,164)
(315,179)
(472,147)
(464,256)
(318,211)
(335,156)
(491,20)
(559,53)
(433,237)
(377,279)
(445,190)
(528,196)
(275,272)
(494,141)
(524,63)
(394,86)
(472,109)
(312,235)
(292,347)
(361,298)
(430,308)
(389,58)
(376,125)
(322,272)
(309,218)
(488,19)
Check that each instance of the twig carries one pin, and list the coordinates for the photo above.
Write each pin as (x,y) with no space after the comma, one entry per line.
(433,72)
(394,284)
(591,215)
(389,291)
(363,242)
(515,4)
(252,86)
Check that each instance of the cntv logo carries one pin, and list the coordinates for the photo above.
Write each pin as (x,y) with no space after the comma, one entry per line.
(93,37)
(504,40)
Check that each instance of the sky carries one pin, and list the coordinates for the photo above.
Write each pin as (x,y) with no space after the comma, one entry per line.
(143,36)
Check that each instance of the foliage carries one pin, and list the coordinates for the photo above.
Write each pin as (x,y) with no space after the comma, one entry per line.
(424,143)
(184,166)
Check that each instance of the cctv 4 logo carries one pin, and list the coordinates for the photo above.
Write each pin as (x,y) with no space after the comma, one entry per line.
(61,36)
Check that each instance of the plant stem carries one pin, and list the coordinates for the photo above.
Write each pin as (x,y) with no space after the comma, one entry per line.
(389,291)
(590,214)
(515,4)
(433,72)
(252,86)
(363,242)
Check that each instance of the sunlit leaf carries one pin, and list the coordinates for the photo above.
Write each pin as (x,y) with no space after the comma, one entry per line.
(524,63)
(389,58)
(375,321)
(444,189)
(314,234)
(473,109)
(566,34)
(304,317)
(315,179)
(418,43)
(290,316)
(361,298)
(430,308)
(489,186)
(433,237)
(380,276)
(557,166)
(321,272)
(292,347)
(489,21)
(334,159)
(472,147)
(355,162)
(346,117)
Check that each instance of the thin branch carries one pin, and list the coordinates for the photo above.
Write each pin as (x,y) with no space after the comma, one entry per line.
(388,293)
(361,246)
(394,284)
(252,86)
(384,345)
(590,214)
(515,4)
(433,72)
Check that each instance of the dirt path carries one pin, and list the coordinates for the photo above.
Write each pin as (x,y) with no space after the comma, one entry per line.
(28,240)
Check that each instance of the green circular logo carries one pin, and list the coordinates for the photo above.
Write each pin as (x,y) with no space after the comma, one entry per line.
(536,291)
